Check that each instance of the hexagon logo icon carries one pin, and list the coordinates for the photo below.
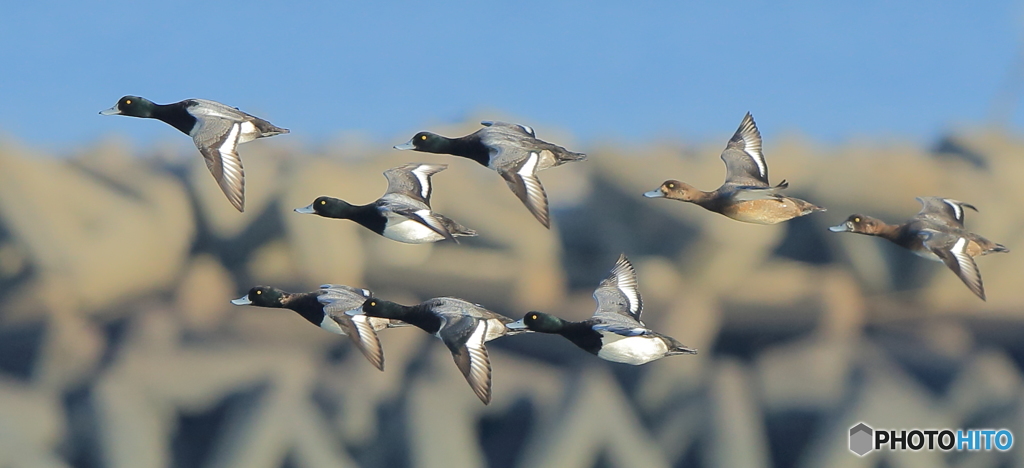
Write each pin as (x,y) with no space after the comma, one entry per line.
(861,439)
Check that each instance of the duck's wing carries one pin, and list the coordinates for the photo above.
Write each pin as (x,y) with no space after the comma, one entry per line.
(522,179)
(511,127)
(756,192)
(952,249)
(393,204)
(413,180)
(944,210)
(618,296)
(744,162)
(343,296)
(465,337)
(217,139)
(338,302)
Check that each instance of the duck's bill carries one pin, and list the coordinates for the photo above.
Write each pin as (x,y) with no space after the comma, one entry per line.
(306,209)
(112,111)
(654,194)
(244,300)
(405,146)
(517,325)
(845,227)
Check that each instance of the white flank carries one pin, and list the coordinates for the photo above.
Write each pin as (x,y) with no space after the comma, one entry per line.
(411,232)
(330,325)
(633,350)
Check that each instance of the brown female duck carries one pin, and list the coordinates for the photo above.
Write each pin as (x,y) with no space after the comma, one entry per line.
(746,194)
(937,233)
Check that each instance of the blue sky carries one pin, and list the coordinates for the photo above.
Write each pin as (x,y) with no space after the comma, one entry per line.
(626,71)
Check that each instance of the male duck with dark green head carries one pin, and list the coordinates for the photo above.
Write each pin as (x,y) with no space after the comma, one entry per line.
(216,129)
(403,213)
(615,332)
(463,326)
(513,150)
(326,308)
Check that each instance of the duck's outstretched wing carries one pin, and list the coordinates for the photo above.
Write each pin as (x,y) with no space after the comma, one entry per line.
(744,161)
(338,301)
(465,337)
(618,295)
(413,180)
(945,210)
(511,127)
(952,249)
(217,140)
(522,179)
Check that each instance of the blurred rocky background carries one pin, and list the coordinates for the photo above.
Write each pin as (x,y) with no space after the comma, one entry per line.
(119,348)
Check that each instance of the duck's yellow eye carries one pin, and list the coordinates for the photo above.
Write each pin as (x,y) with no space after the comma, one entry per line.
(423,137)
(856,220)
(259,292)
(373,304)
(533,317)
(323,202)
(671,185)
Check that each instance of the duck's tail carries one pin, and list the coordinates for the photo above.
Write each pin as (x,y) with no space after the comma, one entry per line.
(456,229)
(1000,248)
(681,349)
(807,208)
(268,129)
(569,156)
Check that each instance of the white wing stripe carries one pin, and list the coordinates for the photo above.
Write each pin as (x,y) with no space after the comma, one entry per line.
(530,166)
(424,179)
(960,251)
(625,279)
(231,141)
(958,212)
(762,168)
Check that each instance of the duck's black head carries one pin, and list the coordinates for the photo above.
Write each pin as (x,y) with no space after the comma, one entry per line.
(860,224)
(543,323)
(133,106)
(427,142)
(377,308)
(262,296)
(327,207)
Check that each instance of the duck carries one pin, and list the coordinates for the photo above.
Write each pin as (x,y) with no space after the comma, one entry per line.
(615,332)
(746,194)
(403,213)
(462,325)
(326,309)
(215,128)
(513,150)
(936,233)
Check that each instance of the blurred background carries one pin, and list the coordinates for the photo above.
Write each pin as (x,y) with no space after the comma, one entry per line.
(119,254)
